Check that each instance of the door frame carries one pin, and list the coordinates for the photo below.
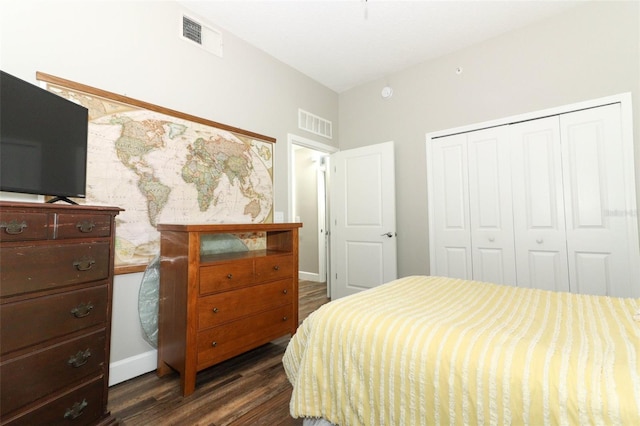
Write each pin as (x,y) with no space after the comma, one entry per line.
(324,258)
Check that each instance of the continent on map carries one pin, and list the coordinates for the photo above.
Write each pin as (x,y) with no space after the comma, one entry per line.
(137,139)
(265,153)
(252,208)
(156,194)
(208,160)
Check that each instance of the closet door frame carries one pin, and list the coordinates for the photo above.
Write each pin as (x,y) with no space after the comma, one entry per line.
(624,99)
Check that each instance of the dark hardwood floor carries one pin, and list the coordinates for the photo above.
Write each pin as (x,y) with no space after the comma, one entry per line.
(250,389)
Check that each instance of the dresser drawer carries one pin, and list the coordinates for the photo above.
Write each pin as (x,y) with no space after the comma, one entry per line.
(228,306)
(35,320)
(29,378)
(220,343)
(226,276)
(22,226)
(83,225)
(274,267)
(78,407)
(31,268)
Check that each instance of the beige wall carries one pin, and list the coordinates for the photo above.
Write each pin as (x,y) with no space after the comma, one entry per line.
(132,48)
(306,208)
(588,52)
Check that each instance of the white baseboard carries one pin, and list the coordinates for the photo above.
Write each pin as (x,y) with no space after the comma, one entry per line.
(309,276)
(133,366)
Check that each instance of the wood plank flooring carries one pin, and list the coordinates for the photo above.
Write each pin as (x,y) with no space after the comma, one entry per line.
(250,389)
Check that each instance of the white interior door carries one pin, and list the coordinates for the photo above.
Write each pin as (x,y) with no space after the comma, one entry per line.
(538,205)
(450,229)
(363,232)
(595,202)
(490,210)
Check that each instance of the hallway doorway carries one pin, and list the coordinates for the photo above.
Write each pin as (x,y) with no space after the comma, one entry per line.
(309,203)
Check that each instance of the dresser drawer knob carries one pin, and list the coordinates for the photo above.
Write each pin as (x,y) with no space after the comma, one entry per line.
(84,264)
(82,310)
(284,318)
(215,310)
(285,291)
(75,411)
(229,276)
(276,268)
(85,226)
(79,359)
(214,344)
(13,227)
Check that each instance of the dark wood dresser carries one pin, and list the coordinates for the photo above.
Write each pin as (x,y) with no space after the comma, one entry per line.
(214,306)
(56,276)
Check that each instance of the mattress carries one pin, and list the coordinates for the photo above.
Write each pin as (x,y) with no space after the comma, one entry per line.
(432,350)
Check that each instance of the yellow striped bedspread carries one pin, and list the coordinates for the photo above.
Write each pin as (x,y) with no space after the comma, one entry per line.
(431,350)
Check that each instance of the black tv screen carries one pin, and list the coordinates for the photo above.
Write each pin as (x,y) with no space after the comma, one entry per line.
(43,141)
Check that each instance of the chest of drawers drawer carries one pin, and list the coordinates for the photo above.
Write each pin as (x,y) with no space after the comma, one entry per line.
(226,276)
(79,406)
(229,306)
(23,226)
(28,378)
(27,269)
(273,267)
(83,226)
(36,320)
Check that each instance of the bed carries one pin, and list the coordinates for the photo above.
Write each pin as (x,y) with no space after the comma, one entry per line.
(431,350)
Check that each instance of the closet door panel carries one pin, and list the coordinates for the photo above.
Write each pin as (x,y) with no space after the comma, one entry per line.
(488,265)
(595,187)
(491,215)
(546,269)
(452,238)
(538,204)
(592,273)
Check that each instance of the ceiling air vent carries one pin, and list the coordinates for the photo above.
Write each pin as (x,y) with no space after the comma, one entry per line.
(204,36)
(314,124)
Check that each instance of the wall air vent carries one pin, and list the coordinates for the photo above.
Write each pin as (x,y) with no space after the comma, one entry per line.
(191,30)
(314,124)
(202,35)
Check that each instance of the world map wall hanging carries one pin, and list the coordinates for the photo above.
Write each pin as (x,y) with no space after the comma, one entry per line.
(164,166)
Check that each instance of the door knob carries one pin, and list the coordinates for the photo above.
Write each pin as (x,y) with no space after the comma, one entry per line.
(387,234)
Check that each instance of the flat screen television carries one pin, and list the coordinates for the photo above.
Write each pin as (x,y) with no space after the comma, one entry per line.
(43,141)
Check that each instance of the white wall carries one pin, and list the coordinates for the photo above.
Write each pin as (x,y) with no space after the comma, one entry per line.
(589,52)
(132,48)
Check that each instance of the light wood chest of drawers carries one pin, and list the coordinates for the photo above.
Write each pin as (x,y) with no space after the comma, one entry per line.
(56,275)
(216,306)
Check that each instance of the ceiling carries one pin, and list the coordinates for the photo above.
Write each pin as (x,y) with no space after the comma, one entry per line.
(345,43)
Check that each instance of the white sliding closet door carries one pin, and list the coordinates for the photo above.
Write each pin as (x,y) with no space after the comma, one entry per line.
(595,189)
(449,196)
(490,209)
(538,205)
